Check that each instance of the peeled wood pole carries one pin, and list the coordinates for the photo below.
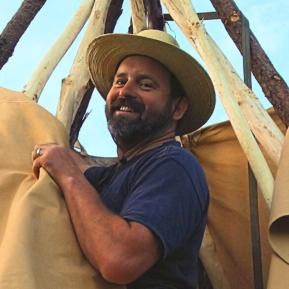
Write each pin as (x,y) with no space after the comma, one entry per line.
(138,15)
(211,263)
(114,11)
(234,95)
(76,84)
(40,76)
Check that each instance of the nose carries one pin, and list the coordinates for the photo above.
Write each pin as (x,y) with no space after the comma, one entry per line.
(128,89)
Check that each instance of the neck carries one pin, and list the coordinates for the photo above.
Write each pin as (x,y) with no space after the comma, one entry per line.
(125,154)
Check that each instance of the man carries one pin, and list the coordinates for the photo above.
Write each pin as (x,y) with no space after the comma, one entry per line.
(141,221)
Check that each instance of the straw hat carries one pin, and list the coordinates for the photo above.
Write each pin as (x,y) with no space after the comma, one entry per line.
(107,51)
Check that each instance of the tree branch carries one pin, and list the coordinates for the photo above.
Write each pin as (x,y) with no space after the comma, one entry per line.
(272,84)
(154,14)
(16,28)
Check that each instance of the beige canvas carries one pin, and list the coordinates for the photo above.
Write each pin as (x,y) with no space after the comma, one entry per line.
(226,168)
(38,248)
(279,224)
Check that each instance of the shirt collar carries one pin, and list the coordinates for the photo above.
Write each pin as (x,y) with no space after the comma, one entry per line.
(145,146)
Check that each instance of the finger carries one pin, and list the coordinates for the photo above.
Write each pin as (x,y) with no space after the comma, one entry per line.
(37,152)
(34,152)
(47,145)
(36,168)
(32,156)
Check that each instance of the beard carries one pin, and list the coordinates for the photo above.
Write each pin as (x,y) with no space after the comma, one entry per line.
(128,132)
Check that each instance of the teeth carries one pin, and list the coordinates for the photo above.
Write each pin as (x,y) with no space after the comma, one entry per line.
(125,108)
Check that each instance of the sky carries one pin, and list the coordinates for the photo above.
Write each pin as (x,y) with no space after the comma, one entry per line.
(268,20)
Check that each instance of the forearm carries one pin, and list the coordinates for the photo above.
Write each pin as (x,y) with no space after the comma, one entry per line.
(94,224)
(106,239)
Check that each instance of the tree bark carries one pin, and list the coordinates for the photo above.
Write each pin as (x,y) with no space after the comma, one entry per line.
(272,84)
(114,12)
(154,14)
(16,27)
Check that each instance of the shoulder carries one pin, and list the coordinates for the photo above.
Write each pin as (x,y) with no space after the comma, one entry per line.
(182,170)
(171,166)
(175,152)
(173,156)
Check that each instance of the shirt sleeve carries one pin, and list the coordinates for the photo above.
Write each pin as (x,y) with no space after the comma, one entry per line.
(97,176)
(170,200)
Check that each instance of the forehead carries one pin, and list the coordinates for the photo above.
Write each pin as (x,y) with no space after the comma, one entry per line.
(143,64)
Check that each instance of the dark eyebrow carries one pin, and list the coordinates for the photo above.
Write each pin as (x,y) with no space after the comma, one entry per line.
(121,74)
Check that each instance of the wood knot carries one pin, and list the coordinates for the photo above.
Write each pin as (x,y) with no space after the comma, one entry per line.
(234,17)
(276,77)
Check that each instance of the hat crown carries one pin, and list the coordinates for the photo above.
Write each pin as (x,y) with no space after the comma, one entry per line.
(159,35)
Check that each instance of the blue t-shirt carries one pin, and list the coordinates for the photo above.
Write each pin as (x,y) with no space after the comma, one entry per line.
(165,190)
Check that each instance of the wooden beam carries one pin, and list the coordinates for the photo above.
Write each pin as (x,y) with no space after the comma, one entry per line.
(77,83)
(201,15)
(138,15)
(211,263)
(242,106)
(114,11)
(154,14)
(40,76)
(271,82)
(16,27)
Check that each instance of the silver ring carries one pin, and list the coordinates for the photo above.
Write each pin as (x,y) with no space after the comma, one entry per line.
(38,152)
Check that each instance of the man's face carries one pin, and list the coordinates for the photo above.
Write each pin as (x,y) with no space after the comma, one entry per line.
(138,104)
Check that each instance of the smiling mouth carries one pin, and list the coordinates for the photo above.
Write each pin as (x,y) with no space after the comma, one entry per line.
(126,109)
(127,106)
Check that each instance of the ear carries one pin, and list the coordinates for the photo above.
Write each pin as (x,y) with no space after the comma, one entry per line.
(180,107)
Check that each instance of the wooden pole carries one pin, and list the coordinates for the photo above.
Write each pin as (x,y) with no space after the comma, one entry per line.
(138,15)
(271,82)
(76,84)
(114,11)
(234,95)
(212,264)
(155,18)
(16,27)
(40,76)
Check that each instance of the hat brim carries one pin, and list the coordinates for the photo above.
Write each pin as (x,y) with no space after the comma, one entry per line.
(107,51)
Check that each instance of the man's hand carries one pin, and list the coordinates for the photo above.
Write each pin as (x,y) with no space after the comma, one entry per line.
(57,161)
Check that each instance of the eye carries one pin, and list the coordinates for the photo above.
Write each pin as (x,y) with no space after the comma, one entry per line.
(147,84)
(119,82)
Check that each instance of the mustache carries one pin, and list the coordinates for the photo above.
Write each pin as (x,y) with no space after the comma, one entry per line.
(132,103)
